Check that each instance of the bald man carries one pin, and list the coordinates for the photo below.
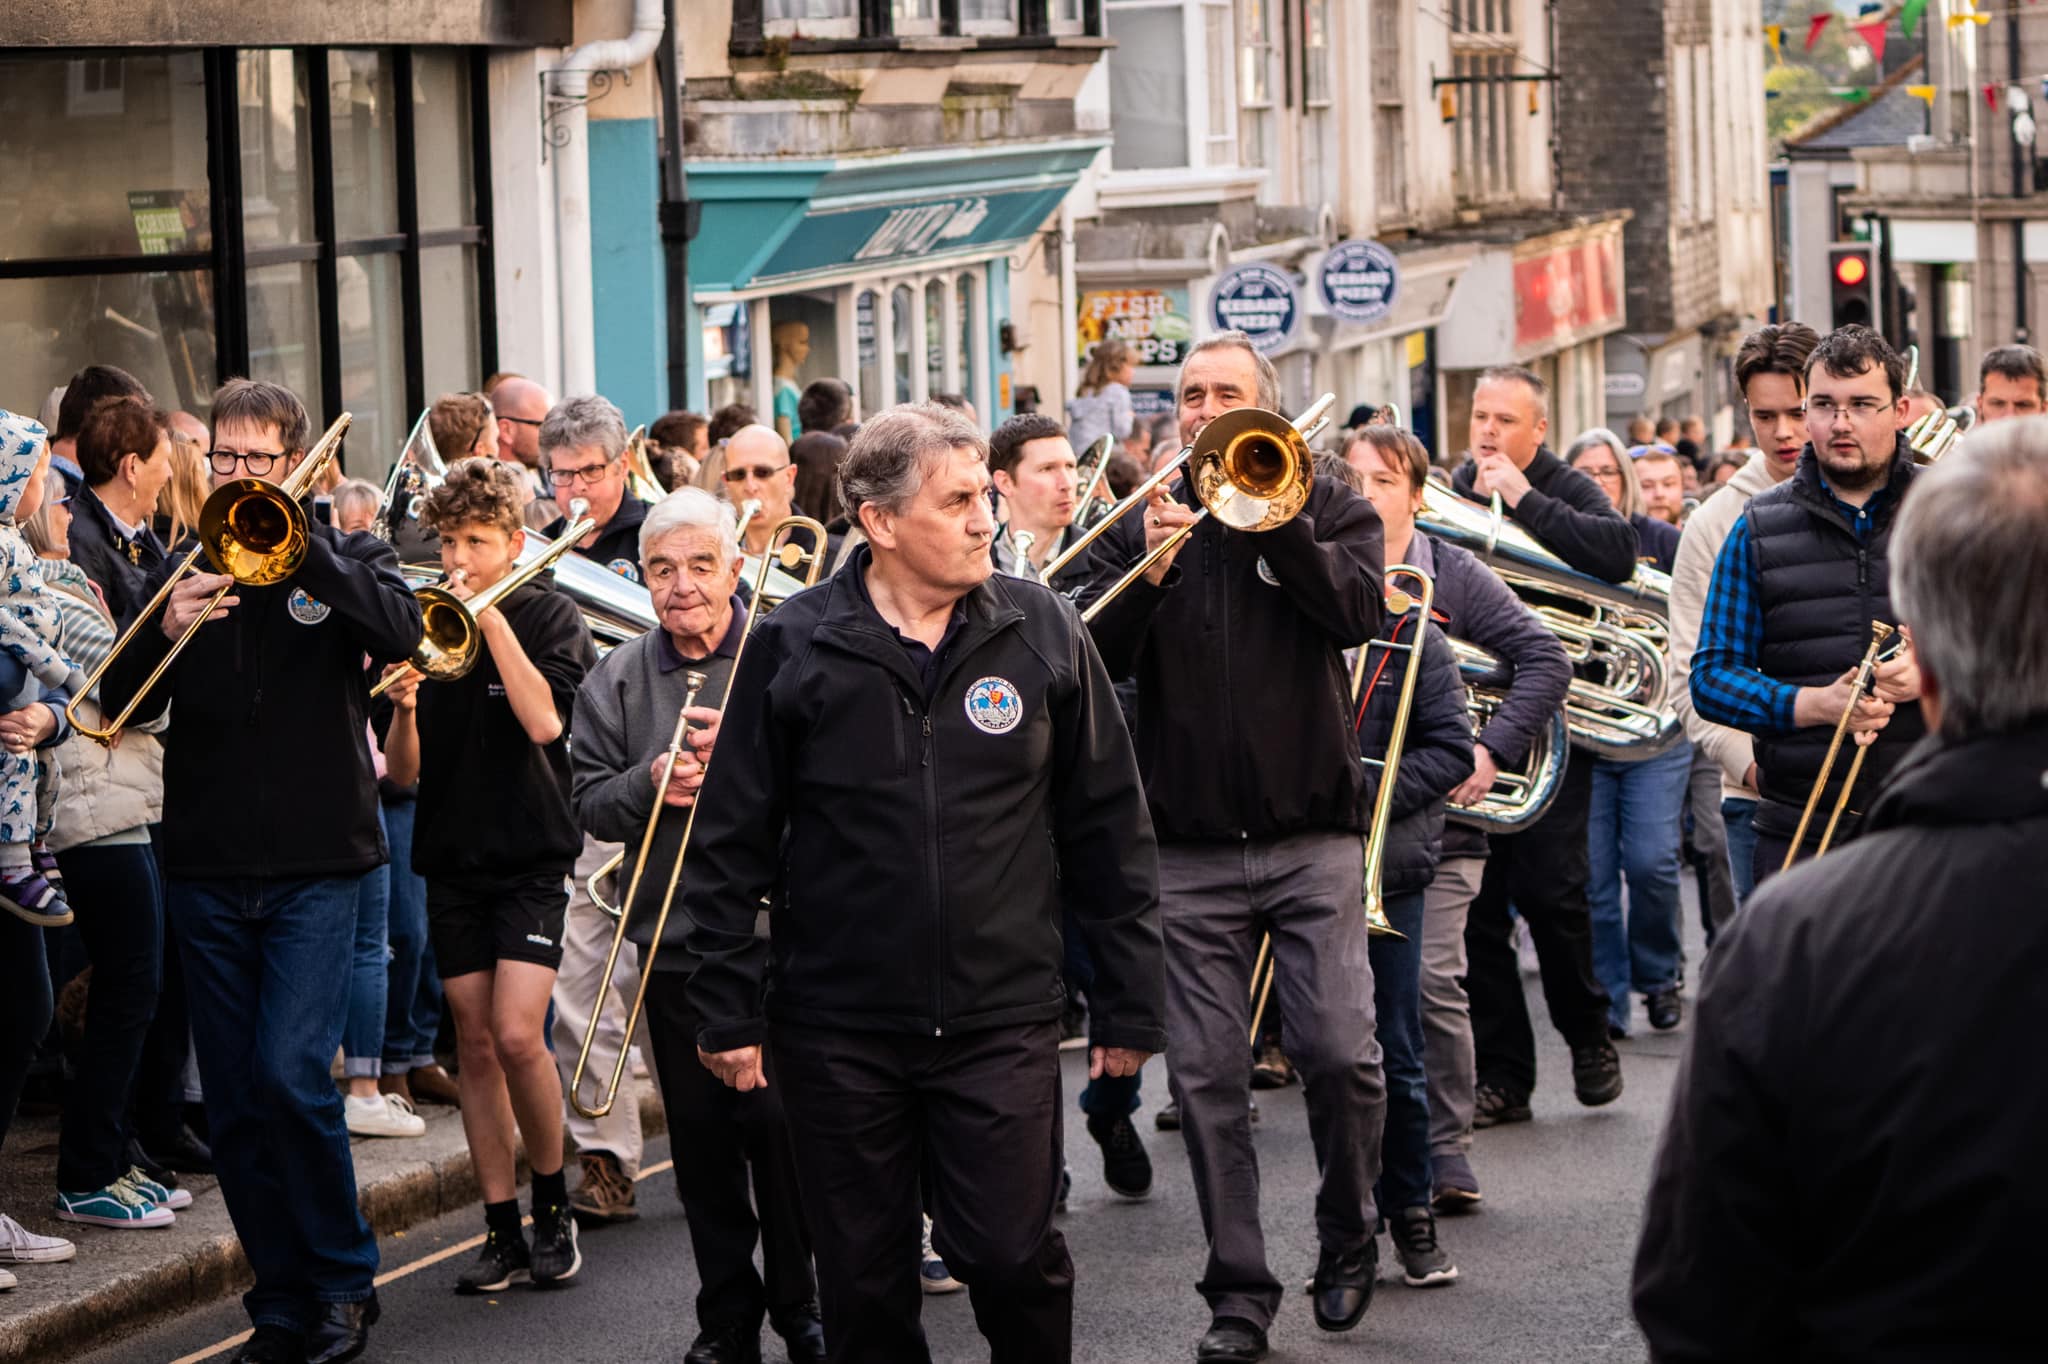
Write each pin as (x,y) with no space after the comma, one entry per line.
(757,466)
(521,405)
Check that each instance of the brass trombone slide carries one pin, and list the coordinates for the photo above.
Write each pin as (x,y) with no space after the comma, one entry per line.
(1095,459)
(1881,636)
(790,556)
(451,641)
(251,529)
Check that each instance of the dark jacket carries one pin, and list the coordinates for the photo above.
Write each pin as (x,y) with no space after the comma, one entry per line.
(1656,541)
(491,801)
(1068,582)
(920,853)
(1436,751)
(1569,514)
(1477,607)
(267,772)
(1820,587)
(1244,711)
(100,548)
(1862,1076)
(617,546)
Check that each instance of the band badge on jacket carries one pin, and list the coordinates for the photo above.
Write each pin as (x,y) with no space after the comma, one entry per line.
(626,569)
(993,705)
(305,610)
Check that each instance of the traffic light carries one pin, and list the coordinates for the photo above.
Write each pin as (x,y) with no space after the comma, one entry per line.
(1852,284)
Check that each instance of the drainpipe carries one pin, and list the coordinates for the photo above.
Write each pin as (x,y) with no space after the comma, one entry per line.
(572,184)
(677,221)
(2020,188)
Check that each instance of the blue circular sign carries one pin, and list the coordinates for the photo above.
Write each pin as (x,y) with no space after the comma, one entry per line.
(1260,300)
(1358,281)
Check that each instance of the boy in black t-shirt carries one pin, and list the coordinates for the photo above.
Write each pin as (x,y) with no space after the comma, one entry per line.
(495,839)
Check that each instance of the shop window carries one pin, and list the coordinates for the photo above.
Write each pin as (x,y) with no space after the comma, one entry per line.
(158,327)
(970,372)
(903,324)
(870,354)
(935,339)
(283,304)
(803,333)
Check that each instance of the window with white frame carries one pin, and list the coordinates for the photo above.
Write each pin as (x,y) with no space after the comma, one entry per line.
(1254,81)
(1390,111)
(1172,88)
(913,18)
(1067,16)
(1703,130)
(988,17)
(812,18)
(1683,206)
(1485,55)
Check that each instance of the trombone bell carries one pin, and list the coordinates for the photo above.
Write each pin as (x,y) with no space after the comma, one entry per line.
(1251,469)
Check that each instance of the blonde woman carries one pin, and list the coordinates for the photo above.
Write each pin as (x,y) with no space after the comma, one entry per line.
(1102,404)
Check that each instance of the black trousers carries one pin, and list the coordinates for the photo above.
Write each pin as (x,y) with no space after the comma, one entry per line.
(158,1096)
(121,923)
(979,1116)
(1775,823)
(718,1135)
(1541,872)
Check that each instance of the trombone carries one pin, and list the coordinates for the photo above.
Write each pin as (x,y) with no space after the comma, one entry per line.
(790,555)
(251,529)
(1883,648)
(1377,925)
(1095,459)
(451,641)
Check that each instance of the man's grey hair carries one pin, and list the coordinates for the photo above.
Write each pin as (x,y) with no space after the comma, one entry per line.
(588,420)
(1967,562)
(887,461)
(1269,378)
(684,509)
(1527,378)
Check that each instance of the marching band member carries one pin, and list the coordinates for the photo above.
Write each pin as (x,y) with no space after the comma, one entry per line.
(1257,791)
(1032,467)
(625,717)
(494,837)
(1476,606)
(2011,382)
(583,446)
(923,762)
(1541,870)
(270,820)
(758,467)
(1795,588)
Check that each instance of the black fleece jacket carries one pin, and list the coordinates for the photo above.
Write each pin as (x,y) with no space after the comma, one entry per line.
(1568,513)
(1436,751)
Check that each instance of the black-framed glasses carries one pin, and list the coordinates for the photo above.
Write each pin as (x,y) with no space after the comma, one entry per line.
(523,421)
(257,462)
(587,475)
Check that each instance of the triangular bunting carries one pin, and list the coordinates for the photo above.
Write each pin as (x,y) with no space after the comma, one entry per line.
(1872,35)
(1813,28)
(1923,93)
(1909,16)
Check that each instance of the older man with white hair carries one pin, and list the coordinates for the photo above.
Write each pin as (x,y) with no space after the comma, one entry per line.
(625,718)
(1857,1071)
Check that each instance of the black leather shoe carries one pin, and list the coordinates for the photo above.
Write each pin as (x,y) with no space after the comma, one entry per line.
(1231,1340)
(802,1332)
(1664,1009)
(1342,1288)
(180,1149)
(1596,1073)
(731,1344)
(271,1345)
(342,1332)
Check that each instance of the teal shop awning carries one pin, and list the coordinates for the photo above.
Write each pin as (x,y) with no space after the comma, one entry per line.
(768,223)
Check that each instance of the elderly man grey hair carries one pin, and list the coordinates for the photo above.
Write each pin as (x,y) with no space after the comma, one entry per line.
(1269,378)
(687,508)
(581,421)
(1967,563)
(887,462)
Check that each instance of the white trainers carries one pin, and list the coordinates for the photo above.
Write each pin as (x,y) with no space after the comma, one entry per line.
(6,1281)
(382,1115)
(20,1246)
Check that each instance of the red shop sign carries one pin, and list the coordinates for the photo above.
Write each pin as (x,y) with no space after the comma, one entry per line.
(1566,292)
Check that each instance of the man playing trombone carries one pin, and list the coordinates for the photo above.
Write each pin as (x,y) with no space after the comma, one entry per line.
(923,762)
(625,719)
(270,821)
(1258,793)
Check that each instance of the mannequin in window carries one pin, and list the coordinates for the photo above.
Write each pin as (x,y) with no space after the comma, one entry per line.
(792,342)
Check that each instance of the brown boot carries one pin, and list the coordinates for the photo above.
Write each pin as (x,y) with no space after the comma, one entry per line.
(433,1085)
(606,1194)
(396,1084)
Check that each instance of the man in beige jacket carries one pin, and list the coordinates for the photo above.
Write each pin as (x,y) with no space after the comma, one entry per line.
(1770,369)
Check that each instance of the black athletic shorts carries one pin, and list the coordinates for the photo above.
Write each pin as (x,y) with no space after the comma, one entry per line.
(477,921)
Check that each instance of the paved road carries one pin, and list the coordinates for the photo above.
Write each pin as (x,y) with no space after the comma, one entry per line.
(1544,1266)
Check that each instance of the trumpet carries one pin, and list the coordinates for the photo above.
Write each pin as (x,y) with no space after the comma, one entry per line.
(792,557)
(451,640)
(1884,644)
(251,529)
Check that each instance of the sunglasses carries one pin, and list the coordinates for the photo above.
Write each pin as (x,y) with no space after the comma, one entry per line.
(760,473)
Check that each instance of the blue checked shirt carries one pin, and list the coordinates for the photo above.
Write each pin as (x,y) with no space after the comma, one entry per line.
(1727,686)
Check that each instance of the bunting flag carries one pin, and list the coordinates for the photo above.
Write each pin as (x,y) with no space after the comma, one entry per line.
(1814,26)
(1923,93)
(1774,34)
(1958,20)
(1872,35)
(1909,16)
(1857,92)
(1991,97)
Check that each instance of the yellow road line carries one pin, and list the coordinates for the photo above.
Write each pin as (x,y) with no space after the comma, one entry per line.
(410,1267)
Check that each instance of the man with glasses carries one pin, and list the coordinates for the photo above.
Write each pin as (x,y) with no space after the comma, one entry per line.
(1800,578)
(521,406)
(582,445)
(757,466)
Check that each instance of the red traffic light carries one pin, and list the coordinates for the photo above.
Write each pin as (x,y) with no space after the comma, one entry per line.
(1851,270)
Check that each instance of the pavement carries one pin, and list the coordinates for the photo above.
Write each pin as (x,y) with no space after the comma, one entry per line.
(1544,1266)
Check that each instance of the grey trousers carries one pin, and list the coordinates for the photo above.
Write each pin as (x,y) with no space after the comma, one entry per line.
(1446,1012)
(1216,900)
(586,936)
(1710,842)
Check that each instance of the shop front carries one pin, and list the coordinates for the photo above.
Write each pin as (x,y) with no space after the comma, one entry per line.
(892,273)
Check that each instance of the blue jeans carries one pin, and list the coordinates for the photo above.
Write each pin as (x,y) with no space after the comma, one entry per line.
(362,1035)
(1634,828)
(1397,1000)
(266,965)
(1111,1096)
(1736,814)
(412,1015)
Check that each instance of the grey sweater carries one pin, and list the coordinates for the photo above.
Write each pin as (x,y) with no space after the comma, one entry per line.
(624,718)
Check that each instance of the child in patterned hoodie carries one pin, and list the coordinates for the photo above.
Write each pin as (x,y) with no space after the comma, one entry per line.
(36,681)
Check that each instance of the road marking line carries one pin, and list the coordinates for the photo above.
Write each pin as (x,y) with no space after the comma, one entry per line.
(411,1267)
